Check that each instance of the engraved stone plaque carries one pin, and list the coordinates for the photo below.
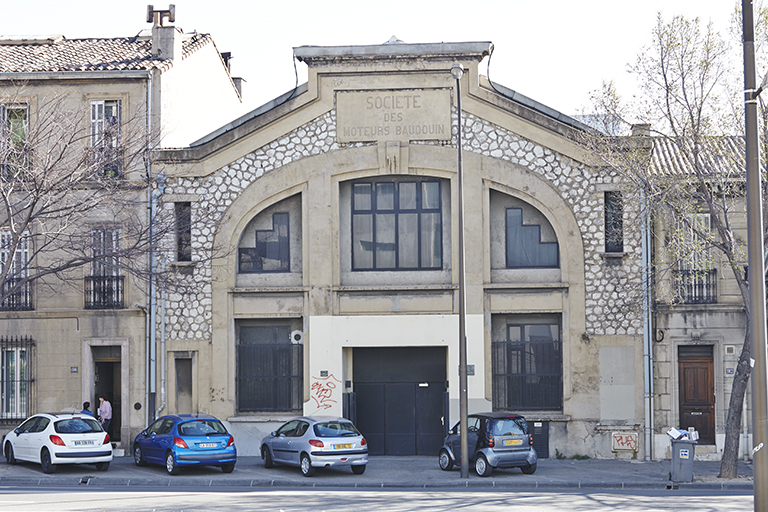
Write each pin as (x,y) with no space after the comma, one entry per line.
(393,115)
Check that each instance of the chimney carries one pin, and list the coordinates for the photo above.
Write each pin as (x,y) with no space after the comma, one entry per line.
(166,41)
(641,130)
(239,82)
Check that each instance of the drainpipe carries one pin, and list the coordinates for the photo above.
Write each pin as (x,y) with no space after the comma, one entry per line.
(647,330)
(147,322)
(153,297)
(162,346)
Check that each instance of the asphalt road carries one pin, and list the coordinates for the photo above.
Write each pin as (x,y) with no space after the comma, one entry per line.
(314,500)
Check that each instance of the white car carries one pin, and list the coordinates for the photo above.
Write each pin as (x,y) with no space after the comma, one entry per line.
(61,438)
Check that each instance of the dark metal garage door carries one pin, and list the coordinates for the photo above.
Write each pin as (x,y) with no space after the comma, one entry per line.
(400,398)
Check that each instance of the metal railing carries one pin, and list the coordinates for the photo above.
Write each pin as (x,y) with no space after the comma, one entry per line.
(19,299)
(104,292)
(696,286)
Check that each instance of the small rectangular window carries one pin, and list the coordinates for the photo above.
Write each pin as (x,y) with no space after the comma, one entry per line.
(614,222)
(183,231)
(14,134)
(105,137)
(17,290)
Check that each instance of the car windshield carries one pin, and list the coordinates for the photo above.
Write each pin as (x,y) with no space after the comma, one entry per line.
(77,426)
(202,428)
(336,429)
(508,427)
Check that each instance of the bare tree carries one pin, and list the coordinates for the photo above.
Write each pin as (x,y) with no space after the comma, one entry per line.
(688,104)
(62,177)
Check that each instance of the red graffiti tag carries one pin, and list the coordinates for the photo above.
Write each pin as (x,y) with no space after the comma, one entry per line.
(625,441)
(322,391)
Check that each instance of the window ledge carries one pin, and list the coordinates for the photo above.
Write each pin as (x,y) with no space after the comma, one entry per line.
(183,264)
(271,289)
(533,416)
(613,255)
(527,286)
(394,288)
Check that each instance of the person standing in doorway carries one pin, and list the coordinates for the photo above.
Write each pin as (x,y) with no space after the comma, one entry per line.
(105,412)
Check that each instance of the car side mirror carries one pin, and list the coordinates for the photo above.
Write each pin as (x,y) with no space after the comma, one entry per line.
(273,434)
(17,431)
(144,433)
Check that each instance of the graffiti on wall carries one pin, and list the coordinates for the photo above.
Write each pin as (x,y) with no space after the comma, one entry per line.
(324,391)
(624,441)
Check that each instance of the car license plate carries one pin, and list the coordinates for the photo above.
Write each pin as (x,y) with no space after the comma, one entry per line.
(513,442)
(83,443)
(207,445)
(342,446)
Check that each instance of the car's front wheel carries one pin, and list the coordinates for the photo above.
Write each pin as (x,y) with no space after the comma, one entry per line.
(529,469)
(45,461)
(358,470)
(170,464)
(228,468)
(445,461)
(102,466)
(482,468)
(267,456)
(306,465)
(138,456)
(10,458)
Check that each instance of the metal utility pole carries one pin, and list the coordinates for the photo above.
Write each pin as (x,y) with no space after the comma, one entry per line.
(457,71)
(755,253)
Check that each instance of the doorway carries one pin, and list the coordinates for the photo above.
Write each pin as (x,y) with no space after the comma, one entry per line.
(400,397)
(107,382)
(697,390)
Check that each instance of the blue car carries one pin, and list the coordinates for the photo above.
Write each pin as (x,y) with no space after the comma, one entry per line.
(180,440)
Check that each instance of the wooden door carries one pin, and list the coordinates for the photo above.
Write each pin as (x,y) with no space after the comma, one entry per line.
(697,394)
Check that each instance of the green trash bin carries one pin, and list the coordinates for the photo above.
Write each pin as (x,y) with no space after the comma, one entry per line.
(683,451)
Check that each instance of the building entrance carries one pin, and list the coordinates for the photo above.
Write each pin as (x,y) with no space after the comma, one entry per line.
(400,398)
(107,382)
(697,391)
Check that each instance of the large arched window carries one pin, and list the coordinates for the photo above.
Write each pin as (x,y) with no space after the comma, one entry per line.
(271,241)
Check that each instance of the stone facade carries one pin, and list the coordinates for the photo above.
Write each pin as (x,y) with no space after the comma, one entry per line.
(513,155)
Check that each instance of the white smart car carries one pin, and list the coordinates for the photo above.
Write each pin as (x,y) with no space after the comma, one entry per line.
(60,438)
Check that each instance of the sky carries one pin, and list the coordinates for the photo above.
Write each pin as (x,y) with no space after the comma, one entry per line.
(553,51)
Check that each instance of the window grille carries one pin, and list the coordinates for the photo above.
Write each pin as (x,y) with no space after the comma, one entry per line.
(528,368)
(104,288)
(270,370)
(16,384)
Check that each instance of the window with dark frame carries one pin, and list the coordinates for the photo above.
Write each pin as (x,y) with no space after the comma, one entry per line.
(183,212)
(104,288)
(270,369)
(524,246)
(16,379)
(528,368)
(614,221)
(105,137)
(397,225)
(272,251)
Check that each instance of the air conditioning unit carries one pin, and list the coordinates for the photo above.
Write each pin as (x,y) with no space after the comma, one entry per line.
(297,337)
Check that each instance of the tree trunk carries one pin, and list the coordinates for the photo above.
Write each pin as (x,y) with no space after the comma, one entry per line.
(730,459)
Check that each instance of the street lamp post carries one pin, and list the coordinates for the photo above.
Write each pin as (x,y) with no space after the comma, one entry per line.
(755,255)
(457,71)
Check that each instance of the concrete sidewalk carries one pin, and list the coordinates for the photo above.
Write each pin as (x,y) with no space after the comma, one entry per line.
(386,472)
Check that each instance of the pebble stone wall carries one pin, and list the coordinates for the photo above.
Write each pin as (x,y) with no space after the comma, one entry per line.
(612,287)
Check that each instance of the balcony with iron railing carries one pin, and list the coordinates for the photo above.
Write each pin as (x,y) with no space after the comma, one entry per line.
(696,286)
(104,292)
(19,299)
(107,161)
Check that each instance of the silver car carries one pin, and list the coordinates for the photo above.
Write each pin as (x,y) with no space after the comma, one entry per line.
(318,442)
(494,440)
